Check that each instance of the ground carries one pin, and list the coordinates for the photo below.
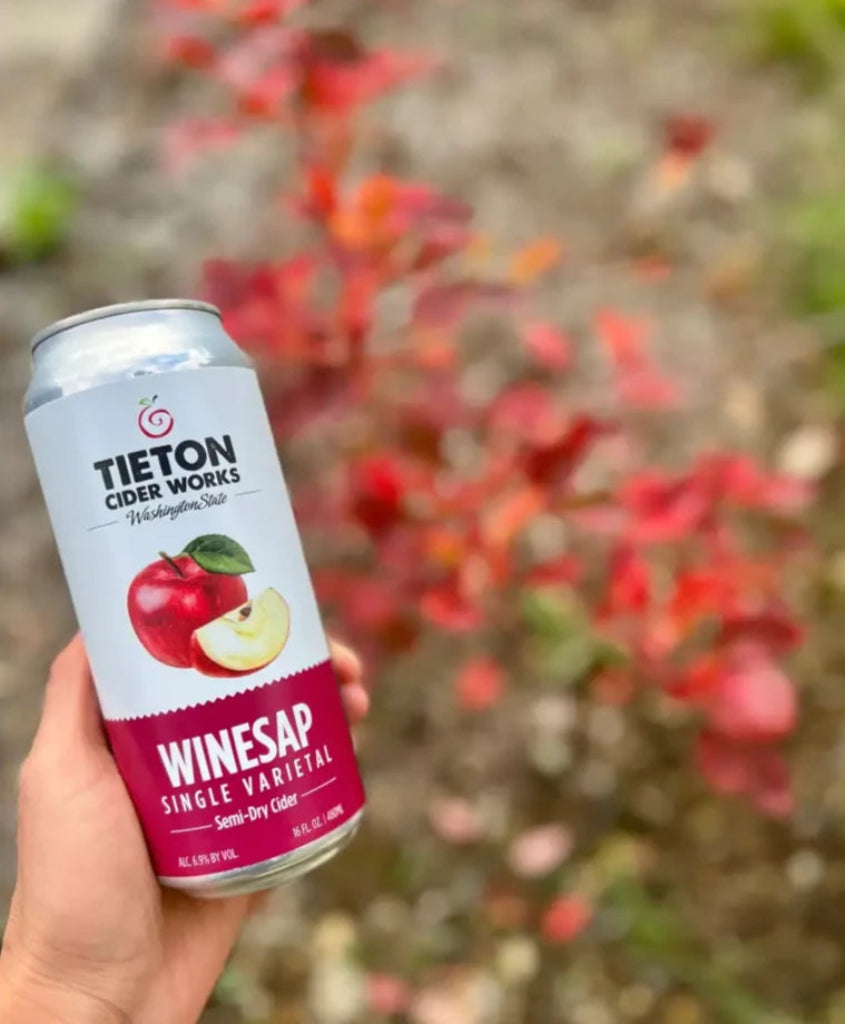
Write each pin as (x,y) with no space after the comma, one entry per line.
(549,118)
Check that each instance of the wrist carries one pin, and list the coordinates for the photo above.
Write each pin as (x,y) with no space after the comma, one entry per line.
(29,995)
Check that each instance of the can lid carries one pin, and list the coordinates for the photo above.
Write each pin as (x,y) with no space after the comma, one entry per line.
(120,309)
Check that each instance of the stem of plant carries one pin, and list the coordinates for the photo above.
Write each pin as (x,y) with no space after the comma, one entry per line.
(171,563)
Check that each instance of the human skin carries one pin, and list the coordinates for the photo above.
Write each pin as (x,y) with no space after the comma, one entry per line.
(91,936)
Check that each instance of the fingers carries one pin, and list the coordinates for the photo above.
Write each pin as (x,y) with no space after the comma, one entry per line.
(350,673)
(70,714)
(356,700)
(346,662)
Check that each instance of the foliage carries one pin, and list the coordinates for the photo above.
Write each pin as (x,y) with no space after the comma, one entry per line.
(467,499)
(35,208)
(816,230)
(808,35)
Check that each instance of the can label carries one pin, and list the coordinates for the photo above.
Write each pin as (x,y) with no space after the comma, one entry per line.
(190,586)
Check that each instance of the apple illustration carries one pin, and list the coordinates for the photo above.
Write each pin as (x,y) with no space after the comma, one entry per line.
(172,597)
(243,640)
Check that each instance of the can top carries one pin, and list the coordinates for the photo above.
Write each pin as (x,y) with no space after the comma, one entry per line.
(121,308)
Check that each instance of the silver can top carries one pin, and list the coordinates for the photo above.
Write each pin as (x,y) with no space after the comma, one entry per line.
(120,309)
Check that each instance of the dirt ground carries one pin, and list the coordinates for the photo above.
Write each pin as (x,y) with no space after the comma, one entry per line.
(549,119)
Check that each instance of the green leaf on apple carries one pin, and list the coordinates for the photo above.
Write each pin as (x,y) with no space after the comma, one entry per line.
(216,553)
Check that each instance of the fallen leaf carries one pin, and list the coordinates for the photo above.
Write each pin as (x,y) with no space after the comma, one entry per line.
(548,345)
(535,259)
(565,918)
(539,851)
(387,994)
(509,516)
(480,684)
(455,820)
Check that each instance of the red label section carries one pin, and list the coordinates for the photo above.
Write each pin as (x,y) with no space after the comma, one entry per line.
(242,779)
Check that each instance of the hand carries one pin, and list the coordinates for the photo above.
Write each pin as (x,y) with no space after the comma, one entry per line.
(91,936)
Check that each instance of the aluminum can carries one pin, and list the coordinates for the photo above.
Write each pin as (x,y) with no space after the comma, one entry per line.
(187,574)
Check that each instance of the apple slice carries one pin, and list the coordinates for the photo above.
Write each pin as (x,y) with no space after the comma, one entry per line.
(244,639)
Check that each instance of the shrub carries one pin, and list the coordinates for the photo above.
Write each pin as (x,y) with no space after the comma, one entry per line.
(503,508)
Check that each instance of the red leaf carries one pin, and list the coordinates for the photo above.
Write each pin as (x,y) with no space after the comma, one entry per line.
(435,407)
(646,388)
(480,684)
(339,76)
(371,609)
(526,412)
(535,259)
(629,586)
(387,994)
(208,6)
(775,629)
(440,242)
(663,509)
(447,607)
(697,682)
(727,767)
(688,135)
(320,198)
(548,345)
(267,96)
(753,701)
(698,594)
(355,308)
(552,465)
(639,382)
(560,571)
(190,138)
(507,517)
(383,213)
(758,773)
(565,918)
(740,479)
(772,793)
(625,338)
(377,491)
(190,51)
(602,519)
(614,686)
(445,306)
(257,13)
(267,308)
(262,70)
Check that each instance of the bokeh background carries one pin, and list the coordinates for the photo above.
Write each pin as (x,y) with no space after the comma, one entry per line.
(541,854)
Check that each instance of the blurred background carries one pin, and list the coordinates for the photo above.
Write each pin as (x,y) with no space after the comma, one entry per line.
(566,447)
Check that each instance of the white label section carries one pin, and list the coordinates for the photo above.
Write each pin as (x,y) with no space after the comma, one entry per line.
(177,538)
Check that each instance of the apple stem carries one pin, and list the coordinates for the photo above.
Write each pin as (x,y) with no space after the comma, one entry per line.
(171,563)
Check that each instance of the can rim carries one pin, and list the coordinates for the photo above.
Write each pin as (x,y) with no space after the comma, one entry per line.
(119,309)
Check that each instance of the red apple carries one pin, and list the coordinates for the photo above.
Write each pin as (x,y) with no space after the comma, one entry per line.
(171,598)
(243,640)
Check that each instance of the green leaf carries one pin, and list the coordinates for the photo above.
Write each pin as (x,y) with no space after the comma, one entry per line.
(36,206)
(216,553)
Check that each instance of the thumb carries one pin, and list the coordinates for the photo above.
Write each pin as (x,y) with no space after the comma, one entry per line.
(70,719)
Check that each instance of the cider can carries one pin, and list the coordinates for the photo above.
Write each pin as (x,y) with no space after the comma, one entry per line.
(186,571)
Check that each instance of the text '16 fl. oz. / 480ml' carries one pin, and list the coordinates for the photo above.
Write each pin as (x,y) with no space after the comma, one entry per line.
(211,664)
